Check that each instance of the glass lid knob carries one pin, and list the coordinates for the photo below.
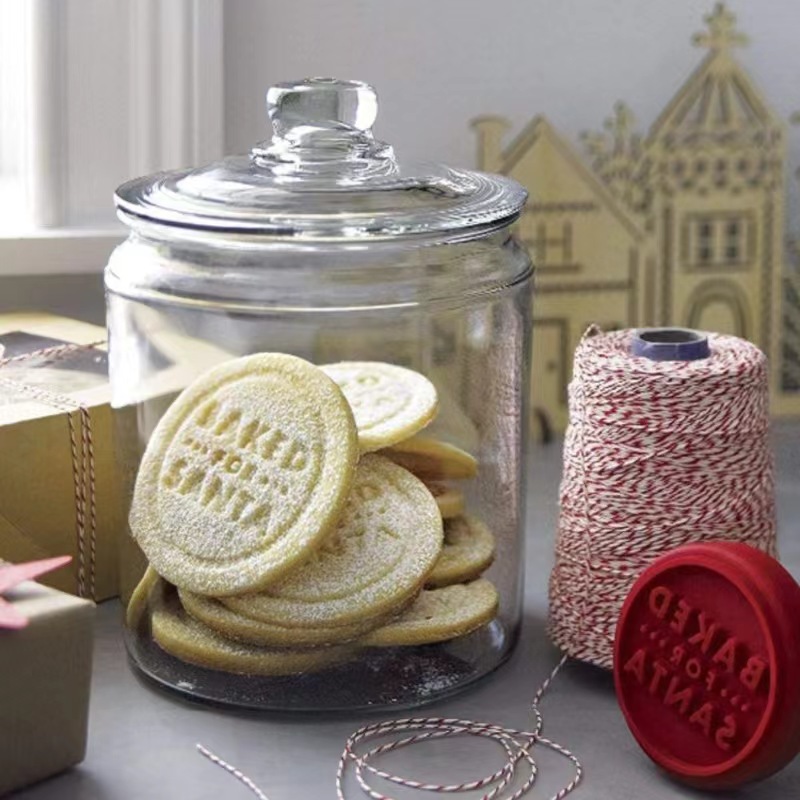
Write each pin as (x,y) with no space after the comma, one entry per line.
(322,128)
(324,103)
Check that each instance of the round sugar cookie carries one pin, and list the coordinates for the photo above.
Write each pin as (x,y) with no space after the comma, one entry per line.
(390,403)
(247,471)
(432,460)
(387,541)
(139,596)
(449,499)
(438,615)
(231,624)
(189,640)
(468,551)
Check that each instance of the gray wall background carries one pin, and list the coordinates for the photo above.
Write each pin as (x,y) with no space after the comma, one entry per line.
(438,64)
(79,296)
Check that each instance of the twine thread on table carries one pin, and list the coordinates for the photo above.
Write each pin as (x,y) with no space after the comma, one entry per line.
(82,456)
(517,745)
(657,454)
(518,774)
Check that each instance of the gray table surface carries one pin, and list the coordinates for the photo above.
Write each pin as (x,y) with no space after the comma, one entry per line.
(142,741)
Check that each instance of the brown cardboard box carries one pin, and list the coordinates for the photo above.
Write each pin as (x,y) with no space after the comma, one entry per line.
(45,671)
(171,358)
(46,506)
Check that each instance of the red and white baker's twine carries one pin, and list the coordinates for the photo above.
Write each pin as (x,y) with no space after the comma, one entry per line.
(83,464)
(657,454)
(520,766)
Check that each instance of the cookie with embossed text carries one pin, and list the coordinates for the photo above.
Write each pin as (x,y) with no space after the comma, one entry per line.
(376,559)
(246,473)
(390,403)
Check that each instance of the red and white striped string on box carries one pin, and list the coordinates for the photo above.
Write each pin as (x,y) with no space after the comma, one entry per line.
(657,454)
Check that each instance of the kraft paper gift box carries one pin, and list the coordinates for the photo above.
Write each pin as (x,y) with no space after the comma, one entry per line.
(60,486)
(167,360)
(45,671)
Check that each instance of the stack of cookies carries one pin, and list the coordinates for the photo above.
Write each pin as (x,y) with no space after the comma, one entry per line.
(293,515)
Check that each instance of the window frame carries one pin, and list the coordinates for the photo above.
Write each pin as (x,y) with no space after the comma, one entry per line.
(732,240)
(704,245)
(552,236)
(12,49)
(706,240)
(167,85)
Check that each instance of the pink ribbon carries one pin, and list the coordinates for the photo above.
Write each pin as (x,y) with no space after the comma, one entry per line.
(12,575)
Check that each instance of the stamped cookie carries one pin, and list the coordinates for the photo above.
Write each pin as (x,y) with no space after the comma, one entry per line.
(438,615)
(231,624)
(139,596)
(449,499)
(468,551)
(186,638)
(248,470)
(387,541)
(432,460)
(390,403)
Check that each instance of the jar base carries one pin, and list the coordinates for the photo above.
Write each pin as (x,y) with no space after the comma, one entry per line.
(390,679)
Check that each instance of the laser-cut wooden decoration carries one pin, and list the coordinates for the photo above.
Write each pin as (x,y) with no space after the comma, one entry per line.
(682,225)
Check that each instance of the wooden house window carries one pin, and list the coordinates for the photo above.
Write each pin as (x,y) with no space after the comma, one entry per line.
(716,241)
(705,243)
(733,241)
(552,245)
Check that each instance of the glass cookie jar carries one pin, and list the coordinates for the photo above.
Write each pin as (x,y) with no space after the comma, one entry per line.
(320,245)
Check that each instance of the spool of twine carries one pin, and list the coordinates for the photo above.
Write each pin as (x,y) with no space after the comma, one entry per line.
(657,454)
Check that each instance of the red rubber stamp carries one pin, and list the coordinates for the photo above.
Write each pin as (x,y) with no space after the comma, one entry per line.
(707,664)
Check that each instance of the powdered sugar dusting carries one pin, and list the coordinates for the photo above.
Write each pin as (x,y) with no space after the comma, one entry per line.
(246,472)
(390,403)
(386,543)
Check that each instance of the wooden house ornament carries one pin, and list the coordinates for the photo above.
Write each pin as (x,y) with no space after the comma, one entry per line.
(683,225)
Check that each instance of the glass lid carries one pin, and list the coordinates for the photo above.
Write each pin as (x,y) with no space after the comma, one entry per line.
(323,175)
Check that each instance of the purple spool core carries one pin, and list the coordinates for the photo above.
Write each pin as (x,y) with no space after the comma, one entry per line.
(670,344)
